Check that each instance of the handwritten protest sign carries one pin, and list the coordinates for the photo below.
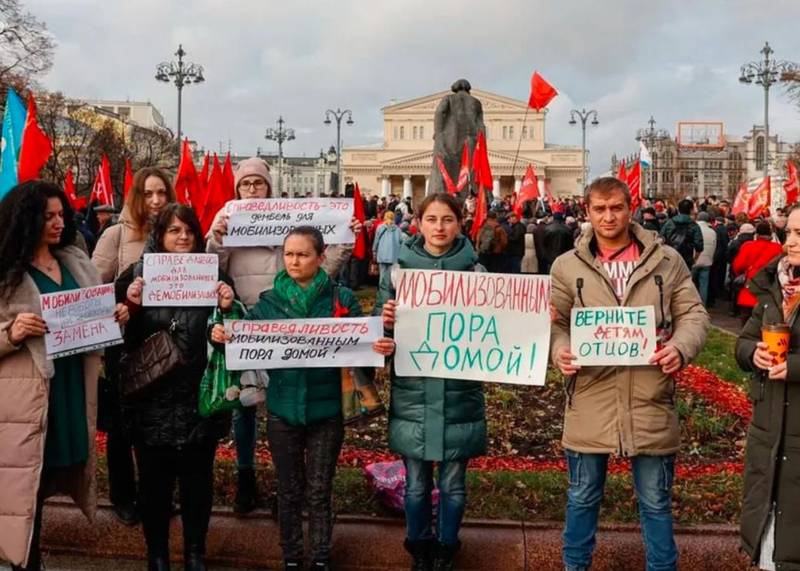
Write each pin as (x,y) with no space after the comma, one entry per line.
(180,280)
(617,336)
(79,320)
(307,343)
(267,221)
(469,325)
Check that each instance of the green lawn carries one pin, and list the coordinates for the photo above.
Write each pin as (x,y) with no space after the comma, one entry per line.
(717,356)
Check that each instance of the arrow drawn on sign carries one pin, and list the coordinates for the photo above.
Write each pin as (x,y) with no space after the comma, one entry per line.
(424,349)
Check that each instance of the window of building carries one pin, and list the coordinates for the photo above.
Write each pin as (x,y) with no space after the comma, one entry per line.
(395,134)
(505,132)
(402,133)
(124,112)
(414,132)
(511,132)
(422,131)
(524,132)
(760,153)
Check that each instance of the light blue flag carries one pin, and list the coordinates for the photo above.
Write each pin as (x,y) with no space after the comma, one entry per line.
(13,124)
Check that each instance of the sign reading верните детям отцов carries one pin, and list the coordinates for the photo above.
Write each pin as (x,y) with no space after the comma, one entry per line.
(80,320)
(619,336)
(184,280)
(472,325)
(267,221)
(306,343)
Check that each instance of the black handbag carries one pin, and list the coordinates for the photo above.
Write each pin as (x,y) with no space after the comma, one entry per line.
(155,358)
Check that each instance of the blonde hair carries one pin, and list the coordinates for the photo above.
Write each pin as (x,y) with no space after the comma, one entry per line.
(388,216)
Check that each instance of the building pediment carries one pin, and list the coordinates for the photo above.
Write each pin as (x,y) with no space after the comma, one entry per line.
(428,103)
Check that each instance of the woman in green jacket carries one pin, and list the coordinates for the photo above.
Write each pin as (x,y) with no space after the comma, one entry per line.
(304,405)
(431,419)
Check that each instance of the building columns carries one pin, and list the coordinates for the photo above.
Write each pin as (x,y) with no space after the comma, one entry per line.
(517,184)
(427,184)
(386,186)
(407,189)
(496,188)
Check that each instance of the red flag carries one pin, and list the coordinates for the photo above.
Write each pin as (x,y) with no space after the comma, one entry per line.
(36,146)
(742,200)
(360,247)
(541,92)
(791,187)
(528,191)
(128,179)
(621,172)
(448,182)
(759,200)
(481,210)
(480,162)
(634,183)
(215,196)
(204,171)
(463,171)
(102,191)
(72,195)
(227,178)
(187,182)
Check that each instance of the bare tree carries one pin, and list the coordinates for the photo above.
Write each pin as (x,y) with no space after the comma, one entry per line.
(26,47)
(152,148)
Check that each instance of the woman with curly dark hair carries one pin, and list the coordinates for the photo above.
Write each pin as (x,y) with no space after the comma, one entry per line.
(47,406)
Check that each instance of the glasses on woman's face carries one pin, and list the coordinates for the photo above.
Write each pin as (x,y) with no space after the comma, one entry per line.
(257,184)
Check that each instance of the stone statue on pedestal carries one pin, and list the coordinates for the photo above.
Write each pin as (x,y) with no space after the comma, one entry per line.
(458,118)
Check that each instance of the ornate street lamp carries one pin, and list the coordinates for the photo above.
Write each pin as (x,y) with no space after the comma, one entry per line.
(280,136)
(766,73)
(650,137)
(584,116)
(180,73)
(338,115)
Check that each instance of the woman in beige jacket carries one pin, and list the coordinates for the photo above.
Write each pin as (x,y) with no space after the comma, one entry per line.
(119,247)
(253,270)
(47,406)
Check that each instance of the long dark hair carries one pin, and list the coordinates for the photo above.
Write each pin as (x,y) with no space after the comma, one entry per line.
(22,213)
(183,213)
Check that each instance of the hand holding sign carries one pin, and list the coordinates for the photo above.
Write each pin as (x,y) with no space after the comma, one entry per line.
(219,335)
(135,291)
(220,227)
(384,346)
(26,325)
(225,295)
(564,362)
(668,358)
(389,313)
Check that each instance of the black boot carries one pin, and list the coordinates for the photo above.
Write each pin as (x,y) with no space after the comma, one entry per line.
(157,563)
(246,491)
(445,554)
(194,561)
(320,566)
(292,565)
(422,553)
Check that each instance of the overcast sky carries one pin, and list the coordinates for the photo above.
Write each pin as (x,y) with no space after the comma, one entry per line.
(626,59)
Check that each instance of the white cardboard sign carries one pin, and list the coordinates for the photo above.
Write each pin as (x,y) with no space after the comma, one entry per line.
(304,343)
(618,336)
(267,221)
(184,280)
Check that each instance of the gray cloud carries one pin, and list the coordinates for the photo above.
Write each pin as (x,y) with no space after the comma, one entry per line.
(675,60)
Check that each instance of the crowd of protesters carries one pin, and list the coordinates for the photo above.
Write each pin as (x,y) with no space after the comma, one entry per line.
(697,252)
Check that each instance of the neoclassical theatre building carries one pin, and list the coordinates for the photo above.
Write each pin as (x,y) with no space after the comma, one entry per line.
(401,164)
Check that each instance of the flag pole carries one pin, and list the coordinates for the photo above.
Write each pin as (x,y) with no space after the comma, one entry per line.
(519,145)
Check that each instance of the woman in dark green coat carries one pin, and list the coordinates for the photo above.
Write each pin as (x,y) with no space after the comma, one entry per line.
(304,405)
(770,521)
(430,419)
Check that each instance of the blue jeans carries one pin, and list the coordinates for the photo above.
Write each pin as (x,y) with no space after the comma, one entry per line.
(700,278)
(244,433)
(652,477)
(452,499)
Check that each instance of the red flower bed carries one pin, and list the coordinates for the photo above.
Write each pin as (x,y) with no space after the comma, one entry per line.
(723,396)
